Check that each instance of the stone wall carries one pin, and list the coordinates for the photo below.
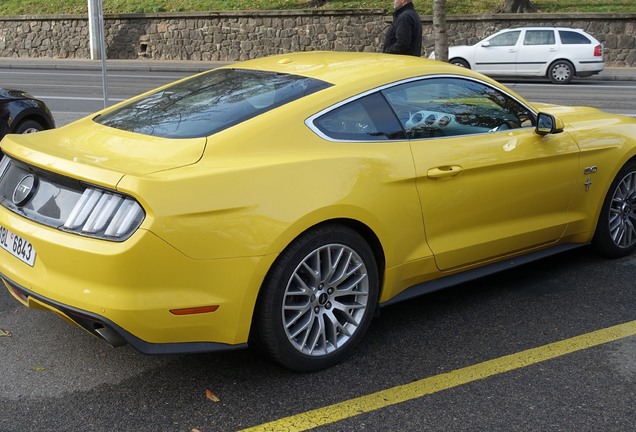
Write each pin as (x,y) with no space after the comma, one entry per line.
(232,36)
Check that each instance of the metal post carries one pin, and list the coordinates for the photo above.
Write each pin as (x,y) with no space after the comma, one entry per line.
(93,29)
(98,40)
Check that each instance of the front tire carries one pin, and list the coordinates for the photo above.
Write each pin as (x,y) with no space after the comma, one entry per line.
(616,230)
(561,72)
(460,62)
(317,300)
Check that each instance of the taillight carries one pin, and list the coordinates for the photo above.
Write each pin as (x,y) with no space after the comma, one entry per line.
(598,51)
(104,214)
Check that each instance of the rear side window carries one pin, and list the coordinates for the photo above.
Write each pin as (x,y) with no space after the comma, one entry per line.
(539,37)
(208,103)
(571,38)
(366,119)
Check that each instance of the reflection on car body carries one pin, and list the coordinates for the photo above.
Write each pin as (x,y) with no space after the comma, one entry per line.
(177,222)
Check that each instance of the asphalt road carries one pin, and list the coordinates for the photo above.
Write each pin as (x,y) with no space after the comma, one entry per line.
(72,94)
(612,96)
(56,377)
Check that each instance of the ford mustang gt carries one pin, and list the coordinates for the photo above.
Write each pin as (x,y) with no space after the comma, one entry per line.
(279,202)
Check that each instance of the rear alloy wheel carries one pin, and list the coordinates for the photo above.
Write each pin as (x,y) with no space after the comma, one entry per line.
(561,72)
(616,231)
(28,126)
(318,299)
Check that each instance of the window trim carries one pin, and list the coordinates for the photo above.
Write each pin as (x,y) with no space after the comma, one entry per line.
(309,122)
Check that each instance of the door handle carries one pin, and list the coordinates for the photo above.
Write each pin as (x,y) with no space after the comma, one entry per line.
(444,171)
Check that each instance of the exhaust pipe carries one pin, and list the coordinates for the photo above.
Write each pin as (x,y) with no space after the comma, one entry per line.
(112,337)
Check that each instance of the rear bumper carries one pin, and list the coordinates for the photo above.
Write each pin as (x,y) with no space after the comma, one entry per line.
(107,330)
(589,68)
(142,291)
(583,74)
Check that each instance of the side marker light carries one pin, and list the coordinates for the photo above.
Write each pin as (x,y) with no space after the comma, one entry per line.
(194,310)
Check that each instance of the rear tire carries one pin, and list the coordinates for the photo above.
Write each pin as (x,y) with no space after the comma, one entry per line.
(317,300)
(561,72)
(615,235)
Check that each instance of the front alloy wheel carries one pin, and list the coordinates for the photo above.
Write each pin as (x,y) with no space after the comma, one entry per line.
(318,300)
(616,232)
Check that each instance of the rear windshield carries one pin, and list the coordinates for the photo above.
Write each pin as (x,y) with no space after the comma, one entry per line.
(209,103)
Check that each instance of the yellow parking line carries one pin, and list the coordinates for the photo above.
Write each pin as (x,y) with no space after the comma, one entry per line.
(374,401)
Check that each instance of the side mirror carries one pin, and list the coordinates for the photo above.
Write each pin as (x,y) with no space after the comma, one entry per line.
(486,44)
(548,124)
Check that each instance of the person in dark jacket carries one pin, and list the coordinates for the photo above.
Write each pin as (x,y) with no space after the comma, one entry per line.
(404,36)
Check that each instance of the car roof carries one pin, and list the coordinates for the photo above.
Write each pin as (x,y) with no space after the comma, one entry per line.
(546,28)
(342,68)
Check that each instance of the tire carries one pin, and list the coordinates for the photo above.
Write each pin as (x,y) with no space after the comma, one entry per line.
(459,62)
(28,126)
(317,300)
(561,72)
(615,234)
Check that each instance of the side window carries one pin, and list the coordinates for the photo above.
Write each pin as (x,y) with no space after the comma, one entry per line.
(441,107)
(505,39)
(366,119)
(539,37)
(571,38)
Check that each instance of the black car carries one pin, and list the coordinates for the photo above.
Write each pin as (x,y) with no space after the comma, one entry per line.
(22,113)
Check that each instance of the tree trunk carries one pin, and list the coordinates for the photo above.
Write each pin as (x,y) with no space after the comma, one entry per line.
(517,6)
(439,30)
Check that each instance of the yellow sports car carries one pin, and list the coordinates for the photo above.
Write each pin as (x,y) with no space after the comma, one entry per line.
(279,202)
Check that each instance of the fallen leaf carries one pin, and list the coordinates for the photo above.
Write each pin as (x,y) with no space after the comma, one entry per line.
(211,396)
(4,332)
(38,368)
(195,430)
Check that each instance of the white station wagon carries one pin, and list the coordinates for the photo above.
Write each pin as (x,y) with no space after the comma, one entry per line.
(558,53)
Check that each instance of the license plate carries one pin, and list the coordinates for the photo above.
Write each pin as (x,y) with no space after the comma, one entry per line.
(17,246)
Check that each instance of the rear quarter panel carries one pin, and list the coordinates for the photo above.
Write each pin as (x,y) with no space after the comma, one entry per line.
(260,186)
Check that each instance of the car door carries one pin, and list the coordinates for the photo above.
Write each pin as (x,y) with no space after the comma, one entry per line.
(536,52)
(497,55)
(371,140)
(489,186)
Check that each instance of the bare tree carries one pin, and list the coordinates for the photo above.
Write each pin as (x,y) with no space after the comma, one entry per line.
(517,6)
(439,30)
